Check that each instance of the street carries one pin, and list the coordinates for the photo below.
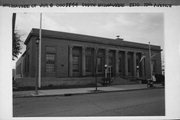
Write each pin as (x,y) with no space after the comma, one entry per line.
(150,102)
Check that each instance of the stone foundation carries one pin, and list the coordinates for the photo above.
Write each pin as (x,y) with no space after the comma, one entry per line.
(79,81)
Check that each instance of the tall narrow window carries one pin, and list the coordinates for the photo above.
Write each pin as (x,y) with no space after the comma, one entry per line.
(50,62)
(120,66)
(76,60)
(50,59)
(129,64)
(26,63)
(112,61)
(100,64)
(18,69)
(153,66)
(121,62)
(89,60)
(88,64)
(100,60)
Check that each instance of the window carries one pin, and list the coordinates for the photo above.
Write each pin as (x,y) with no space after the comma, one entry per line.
(129,64)
(138,57)
(50,59)
(76,60)
(50,62)
(100,60)
(121,62)
(100,64)
(18,69)
(89,59)
(120,66)
(89,64)
(153,66)
(27,63)
(76,65)
(111,61)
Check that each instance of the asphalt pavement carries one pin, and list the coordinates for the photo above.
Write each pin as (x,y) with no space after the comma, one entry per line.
(148,102)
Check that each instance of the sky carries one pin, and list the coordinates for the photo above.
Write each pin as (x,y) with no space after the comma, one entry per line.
(135,27)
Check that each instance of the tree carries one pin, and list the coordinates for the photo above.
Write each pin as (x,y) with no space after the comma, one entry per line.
(15,39)
(16,45)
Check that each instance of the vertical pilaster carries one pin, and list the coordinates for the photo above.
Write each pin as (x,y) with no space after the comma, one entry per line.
(126,63)
(117,63)
(134,64)
(70,60)
(83,62)
(95,60)
(106,56)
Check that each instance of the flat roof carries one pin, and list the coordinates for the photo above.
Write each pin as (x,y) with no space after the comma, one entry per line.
(88,38)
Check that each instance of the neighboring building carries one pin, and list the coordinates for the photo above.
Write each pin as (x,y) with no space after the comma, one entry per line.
(69,59)
(20,67)
(13,74)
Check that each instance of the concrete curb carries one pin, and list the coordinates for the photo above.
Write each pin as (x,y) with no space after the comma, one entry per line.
(89,92)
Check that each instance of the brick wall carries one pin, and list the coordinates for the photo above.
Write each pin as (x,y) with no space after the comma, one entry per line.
(81,81)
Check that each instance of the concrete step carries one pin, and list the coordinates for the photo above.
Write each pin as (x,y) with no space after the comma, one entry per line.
(122,81)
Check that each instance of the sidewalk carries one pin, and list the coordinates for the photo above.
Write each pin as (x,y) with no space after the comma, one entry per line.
(76,91)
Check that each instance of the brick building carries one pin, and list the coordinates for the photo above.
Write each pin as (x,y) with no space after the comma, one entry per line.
(71,59)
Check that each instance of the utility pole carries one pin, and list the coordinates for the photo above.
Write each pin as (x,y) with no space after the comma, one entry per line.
(150,61)
(40,37)
(38,54)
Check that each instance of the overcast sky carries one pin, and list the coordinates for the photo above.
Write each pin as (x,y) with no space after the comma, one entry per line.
(135,27)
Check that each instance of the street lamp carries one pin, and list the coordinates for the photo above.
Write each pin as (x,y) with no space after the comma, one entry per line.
(106,68)
(137,68)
